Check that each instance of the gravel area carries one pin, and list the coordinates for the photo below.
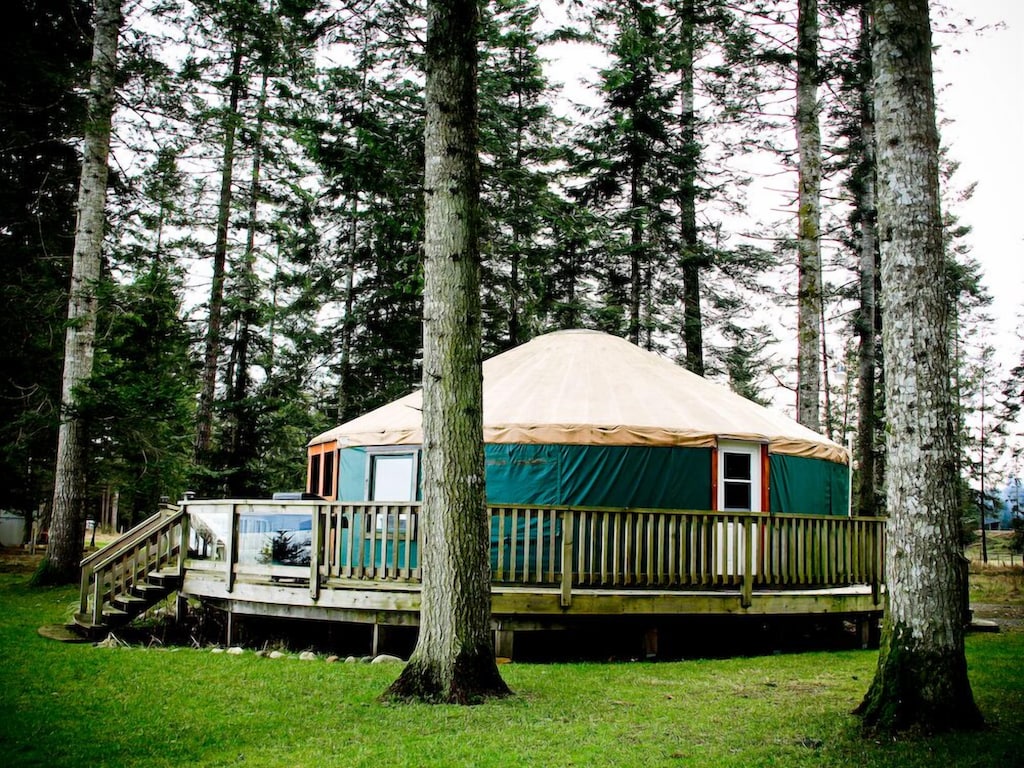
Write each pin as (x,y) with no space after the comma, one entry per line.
(1009,616)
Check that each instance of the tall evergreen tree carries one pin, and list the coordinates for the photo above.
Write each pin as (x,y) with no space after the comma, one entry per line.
(862,185)
(809,299)
(139,404)
(64,546)
(921,679)
(213,341)
(693,256)
(453,661)
(368,269)
(618,163)
(41,114)
(519,152)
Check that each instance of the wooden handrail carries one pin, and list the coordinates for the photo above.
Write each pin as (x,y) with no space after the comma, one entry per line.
(130,537)
(568,547)
(116,566)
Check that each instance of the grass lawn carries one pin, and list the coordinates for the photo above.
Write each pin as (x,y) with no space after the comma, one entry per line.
(79,705)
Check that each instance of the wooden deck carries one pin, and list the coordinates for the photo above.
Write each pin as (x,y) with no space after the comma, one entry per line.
(550,566)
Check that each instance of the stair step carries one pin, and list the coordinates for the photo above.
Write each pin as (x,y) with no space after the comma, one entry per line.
(149,591)
(115,614)
(129,599)
(166,579)
(84,620)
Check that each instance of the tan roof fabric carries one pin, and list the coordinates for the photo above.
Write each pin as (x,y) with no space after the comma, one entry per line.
(590,388)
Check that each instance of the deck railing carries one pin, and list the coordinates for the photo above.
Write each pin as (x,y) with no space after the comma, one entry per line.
(561,547)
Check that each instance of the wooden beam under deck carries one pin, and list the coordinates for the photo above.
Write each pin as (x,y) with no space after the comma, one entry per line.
(516,607)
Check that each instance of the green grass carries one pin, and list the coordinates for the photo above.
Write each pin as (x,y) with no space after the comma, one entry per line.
(997,546)
(996,584)
(76,705)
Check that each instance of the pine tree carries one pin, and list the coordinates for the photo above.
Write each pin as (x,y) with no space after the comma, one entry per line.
(64,546)
(41,115)
(921,679)
(139,403)
(809,298)
(368,271)
(453,661)
(617,157)
(519,147)
(862,185)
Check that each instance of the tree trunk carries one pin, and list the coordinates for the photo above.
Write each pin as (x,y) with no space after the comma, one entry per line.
(636,247)
(867,503)
(454,657)
(241,427)
(348,325)
(64,548)
(808,216)
(692,258)
(921,680)
(211,354)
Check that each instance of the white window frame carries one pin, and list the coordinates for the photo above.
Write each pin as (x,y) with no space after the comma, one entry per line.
(753,450)
(398,452)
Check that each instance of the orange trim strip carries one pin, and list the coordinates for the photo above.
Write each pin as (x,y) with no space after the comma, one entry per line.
(765,480)
(714,479)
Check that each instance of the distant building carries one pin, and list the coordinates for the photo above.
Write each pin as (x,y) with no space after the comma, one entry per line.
(1012,503)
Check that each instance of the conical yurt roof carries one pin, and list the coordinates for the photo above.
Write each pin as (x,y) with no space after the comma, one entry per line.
(590,388)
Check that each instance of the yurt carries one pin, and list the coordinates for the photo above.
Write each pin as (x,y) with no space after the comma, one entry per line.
(585,419)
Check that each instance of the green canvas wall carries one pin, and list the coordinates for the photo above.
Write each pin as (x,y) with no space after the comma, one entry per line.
(808,486)
(627,476)
(599,476)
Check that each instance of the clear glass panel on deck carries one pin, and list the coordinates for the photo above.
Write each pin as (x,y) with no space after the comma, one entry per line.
(209,531)
(275,536)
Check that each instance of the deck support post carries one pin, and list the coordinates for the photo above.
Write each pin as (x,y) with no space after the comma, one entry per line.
(651,643)
(864,633)
(180,607)
(504,640)
(380,639)
(230,628)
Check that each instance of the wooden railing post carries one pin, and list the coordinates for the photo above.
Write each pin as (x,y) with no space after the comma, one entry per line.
(748,563)
(316,539)
(97,598)
(87,572)
(183,536)
(568,526)
(231,553)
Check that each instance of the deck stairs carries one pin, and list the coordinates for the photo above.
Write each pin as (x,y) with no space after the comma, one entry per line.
(133,573)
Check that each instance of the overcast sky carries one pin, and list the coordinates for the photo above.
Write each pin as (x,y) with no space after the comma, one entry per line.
(982,100)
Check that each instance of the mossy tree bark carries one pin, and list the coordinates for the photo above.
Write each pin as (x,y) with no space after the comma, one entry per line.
(453,661)
(921,680)
(867,319)
(809,299)
(64,547)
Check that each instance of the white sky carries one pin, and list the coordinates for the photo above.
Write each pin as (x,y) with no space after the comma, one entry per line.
(982,100)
